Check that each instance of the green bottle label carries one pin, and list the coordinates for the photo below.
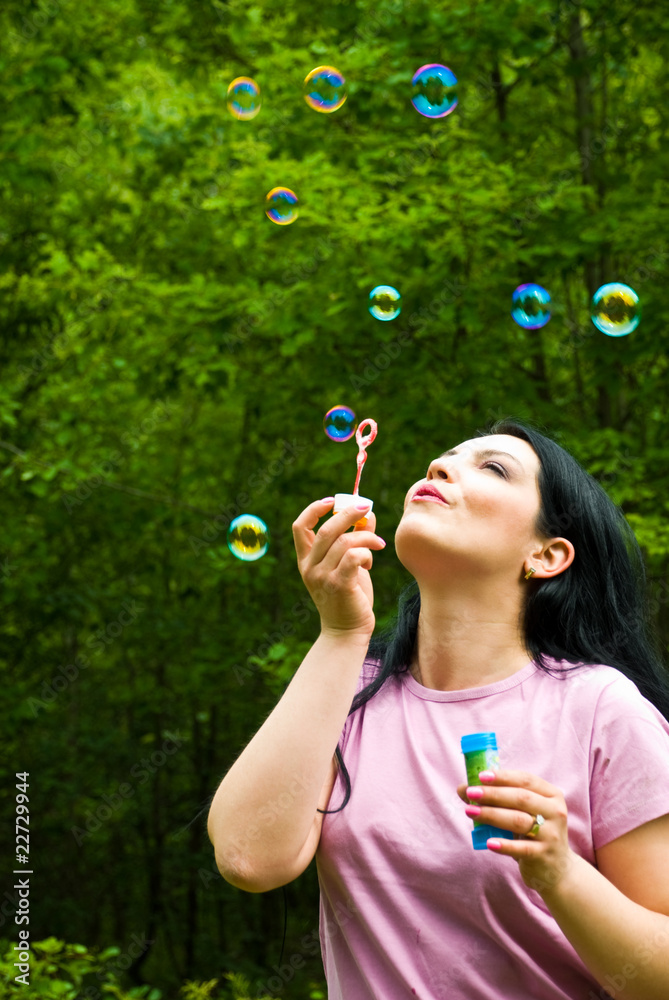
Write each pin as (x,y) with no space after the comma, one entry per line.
(477,761)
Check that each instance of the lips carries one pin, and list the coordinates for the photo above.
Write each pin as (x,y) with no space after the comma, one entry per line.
(429,493)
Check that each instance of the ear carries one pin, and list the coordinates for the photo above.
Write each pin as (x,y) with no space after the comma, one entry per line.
(553,558)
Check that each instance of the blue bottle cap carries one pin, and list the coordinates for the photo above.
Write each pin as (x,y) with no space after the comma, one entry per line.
(480,835)
(478,741)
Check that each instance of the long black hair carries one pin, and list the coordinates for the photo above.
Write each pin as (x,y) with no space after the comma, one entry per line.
(594,612)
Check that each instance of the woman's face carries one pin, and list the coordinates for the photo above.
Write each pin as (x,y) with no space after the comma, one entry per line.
(475,510)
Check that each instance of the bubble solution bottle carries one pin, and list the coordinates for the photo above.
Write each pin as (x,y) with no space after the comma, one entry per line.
(480,750)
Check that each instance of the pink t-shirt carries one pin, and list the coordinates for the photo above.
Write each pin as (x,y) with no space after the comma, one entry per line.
(408,907)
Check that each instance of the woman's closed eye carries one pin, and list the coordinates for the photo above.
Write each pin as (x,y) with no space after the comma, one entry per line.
(499,469)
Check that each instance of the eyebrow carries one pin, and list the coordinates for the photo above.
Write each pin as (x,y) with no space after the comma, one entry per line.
(487,453)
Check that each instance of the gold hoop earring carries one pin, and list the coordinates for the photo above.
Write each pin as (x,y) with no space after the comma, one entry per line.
(529,573)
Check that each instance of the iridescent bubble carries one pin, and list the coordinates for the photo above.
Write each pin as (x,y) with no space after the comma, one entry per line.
(531,306)
(384,302)
(615,309)
(244,98)
(325,89)
(281,206)
(248,537)
(434,91)
(339,423)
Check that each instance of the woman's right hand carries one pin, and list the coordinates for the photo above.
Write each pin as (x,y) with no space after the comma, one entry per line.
(335,563)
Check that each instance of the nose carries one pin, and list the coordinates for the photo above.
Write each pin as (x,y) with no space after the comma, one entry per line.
(438,469)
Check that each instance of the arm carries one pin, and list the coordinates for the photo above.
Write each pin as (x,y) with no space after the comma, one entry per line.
(615,916)
(263,820)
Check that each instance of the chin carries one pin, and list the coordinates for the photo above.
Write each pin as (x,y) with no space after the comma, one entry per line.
(414,541)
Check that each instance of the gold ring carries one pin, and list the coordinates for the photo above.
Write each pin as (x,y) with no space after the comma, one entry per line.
(536,826)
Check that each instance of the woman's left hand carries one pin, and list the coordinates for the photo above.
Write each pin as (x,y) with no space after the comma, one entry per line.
(512,800)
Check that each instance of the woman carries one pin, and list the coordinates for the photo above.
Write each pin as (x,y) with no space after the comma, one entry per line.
(528,621)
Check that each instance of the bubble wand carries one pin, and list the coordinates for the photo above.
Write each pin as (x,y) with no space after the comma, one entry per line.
(343,500)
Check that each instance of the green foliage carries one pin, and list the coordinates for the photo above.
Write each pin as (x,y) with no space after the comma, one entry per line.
(61,971)
(168,355)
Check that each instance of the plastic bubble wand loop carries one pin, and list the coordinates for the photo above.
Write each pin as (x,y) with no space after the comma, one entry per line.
(364,442)
(342,500)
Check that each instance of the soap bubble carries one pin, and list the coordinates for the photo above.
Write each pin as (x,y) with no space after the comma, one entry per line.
(324,89)
(615,309)
(244,98)
(281,206)
(248,537)
(339,423)
(384,302)
(531,306)
(434,91)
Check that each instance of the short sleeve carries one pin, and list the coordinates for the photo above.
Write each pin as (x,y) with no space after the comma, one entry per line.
(629,759)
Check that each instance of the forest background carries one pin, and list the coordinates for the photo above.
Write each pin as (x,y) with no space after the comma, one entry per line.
(168,355)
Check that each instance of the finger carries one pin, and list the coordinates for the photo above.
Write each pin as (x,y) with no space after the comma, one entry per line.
(304,524)
(352,561)
(507,797)
(462,792)
(336,527)
(346,577)
(344,543)
(518,779)
(514,820)
(518,849)
(367,522)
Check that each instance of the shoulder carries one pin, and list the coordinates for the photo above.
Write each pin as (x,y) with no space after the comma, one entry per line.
(592,683)
(600,704)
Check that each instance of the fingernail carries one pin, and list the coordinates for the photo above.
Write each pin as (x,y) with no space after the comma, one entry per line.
(327,500)
(362,506)
(487,776)
(384,543)
(473,810)
(475,792)
(494,845)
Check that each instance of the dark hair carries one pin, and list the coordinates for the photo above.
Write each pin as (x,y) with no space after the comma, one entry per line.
(593,612)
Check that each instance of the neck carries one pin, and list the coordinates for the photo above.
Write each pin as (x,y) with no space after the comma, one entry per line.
(463,642)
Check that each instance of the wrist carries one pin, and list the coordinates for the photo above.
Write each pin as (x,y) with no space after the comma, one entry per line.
(352,638)
(563,878)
